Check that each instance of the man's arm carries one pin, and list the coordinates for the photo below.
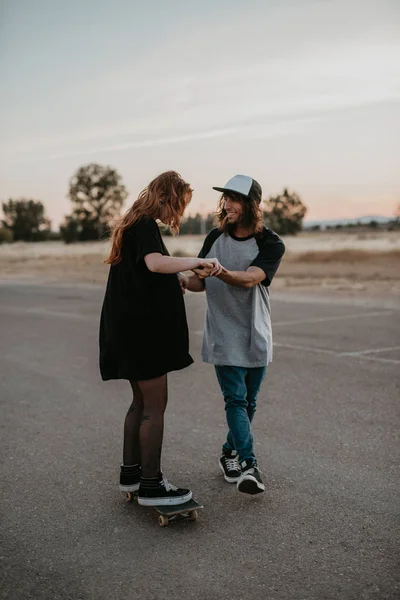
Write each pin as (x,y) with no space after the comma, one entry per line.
(244,279)
(195,283)
(263,267)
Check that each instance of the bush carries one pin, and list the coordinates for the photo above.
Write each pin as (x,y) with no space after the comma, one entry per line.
(69,230)
(6,236)
(284,213)
(26,219)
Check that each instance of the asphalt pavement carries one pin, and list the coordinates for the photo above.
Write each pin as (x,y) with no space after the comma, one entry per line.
(326,434)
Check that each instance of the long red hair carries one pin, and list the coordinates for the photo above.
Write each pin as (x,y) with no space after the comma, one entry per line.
(168,191)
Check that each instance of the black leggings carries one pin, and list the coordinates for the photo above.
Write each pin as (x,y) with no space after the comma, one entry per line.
(144,425)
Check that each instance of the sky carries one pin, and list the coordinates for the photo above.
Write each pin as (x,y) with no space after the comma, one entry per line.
(303,94)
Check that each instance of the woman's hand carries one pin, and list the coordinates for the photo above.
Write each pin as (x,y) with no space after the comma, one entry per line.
(217,267)
(209,267)
(203,272)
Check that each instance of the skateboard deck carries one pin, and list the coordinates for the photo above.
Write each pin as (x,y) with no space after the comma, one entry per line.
(188,511)
(178,512)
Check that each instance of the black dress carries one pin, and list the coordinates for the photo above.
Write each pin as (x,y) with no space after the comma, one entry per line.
(143,328)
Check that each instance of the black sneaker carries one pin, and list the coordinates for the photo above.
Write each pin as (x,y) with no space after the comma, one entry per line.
(158,490)
(229,465)
(250,481)
(129,479)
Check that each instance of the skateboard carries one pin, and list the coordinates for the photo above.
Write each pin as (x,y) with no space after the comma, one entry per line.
(188,511)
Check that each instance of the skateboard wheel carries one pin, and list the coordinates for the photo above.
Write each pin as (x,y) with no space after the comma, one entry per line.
(129,496)
(163,521)
(194,515)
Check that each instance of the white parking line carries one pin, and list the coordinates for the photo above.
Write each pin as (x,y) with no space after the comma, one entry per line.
(370,351)
(335,318)
(335,353)
(307,349)
(393,361)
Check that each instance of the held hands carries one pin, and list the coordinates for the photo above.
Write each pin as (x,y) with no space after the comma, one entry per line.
(206,268)
(209,267)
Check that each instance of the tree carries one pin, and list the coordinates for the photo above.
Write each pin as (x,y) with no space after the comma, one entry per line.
(69,230)
(26,220)
(97,195)
(285,213)
(395,224)
(197,225)
(6,236)
(397,214)
(210,222)
(191,225)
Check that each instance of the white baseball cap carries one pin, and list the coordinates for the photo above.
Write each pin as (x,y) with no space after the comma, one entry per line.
(244,185)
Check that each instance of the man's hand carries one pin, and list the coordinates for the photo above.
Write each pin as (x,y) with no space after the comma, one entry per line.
(209,264)
(211,268)
(203,272)
(183,281)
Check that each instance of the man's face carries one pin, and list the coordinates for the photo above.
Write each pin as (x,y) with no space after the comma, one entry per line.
(234,210)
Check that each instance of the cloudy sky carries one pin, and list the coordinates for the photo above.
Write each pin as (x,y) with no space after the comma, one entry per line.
(302,94)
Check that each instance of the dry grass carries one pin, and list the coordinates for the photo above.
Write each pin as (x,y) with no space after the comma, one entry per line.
(311,262)
(344,255)
(359,271)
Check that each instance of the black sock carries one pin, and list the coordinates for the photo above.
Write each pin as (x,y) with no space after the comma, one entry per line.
(150,482)
(130,469)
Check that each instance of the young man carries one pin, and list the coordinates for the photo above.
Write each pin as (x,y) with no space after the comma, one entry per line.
(237,336)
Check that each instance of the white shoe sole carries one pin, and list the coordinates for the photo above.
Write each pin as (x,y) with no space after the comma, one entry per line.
(249,485)
(164,501)
(129,488)
(228,479)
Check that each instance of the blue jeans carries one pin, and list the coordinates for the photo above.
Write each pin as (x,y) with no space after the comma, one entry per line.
(240,386)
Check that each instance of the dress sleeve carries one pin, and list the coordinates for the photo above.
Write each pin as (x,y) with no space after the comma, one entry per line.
(271,249)
(146,238)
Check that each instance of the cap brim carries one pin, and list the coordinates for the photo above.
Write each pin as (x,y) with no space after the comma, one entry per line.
(224,189)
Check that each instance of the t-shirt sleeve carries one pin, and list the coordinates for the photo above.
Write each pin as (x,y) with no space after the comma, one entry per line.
(271,249)
(146,238)
(208,243)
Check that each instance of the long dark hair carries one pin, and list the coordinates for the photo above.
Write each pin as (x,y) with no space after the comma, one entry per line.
(252,217)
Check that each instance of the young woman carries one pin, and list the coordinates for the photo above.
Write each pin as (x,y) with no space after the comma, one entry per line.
(143,329)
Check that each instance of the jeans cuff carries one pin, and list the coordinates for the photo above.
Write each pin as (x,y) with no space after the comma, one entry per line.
(227,447)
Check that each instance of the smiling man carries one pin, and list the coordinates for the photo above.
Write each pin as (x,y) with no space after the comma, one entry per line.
(237,336)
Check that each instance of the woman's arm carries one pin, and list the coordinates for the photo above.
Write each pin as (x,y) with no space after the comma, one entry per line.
(158,263)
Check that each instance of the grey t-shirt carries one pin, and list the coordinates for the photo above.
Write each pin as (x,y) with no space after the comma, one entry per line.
(237,329)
